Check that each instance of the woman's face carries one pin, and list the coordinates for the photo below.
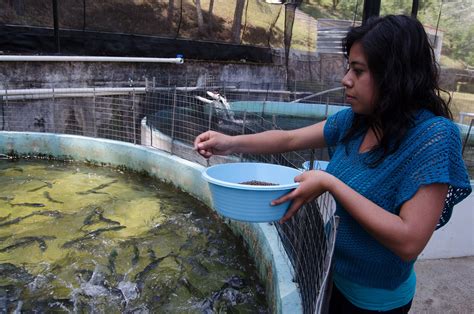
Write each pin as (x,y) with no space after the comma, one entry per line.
(359,82)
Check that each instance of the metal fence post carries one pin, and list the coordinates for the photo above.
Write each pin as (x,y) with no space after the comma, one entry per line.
(209,124)
(54,111)
(151,135)
(327,108)
(467,136)
(3,110)
(94,115)
(209,121)
(273,128)
(134,117)
(173,118)
(294,90)
(244,120)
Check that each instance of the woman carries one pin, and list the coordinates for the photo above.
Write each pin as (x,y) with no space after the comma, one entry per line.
(396,170)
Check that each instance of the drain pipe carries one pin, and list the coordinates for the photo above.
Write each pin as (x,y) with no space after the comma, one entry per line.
(16,58)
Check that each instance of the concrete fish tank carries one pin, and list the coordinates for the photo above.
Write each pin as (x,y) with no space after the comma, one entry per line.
(111,256)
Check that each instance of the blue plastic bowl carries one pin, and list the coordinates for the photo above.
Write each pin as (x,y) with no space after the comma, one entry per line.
(317,165)
(246,202)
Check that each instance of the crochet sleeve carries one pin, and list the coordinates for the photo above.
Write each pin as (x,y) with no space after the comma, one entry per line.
(336,126)
(437,159)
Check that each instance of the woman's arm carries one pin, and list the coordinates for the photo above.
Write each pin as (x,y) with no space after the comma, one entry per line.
(405,234)
(276,141)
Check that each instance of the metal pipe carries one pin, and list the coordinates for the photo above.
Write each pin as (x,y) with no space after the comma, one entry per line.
(318,94)
(41,93)
(15,58)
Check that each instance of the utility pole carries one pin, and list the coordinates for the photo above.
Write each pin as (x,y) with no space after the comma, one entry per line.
(371,8)
(414,8)
(56,25)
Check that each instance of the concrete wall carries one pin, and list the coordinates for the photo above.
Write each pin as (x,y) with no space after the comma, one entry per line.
(302,67)
(82,74)
(456,238)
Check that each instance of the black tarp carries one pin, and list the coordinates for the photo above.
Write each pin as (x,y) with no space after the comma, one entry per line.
(35,40)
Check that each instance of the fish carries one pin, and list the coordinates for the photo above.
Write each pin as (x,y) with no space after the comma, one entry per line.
(5,237)
(112,258)
(28,204)
(141,276)
(50,213)
(97,188)
(90,192)
(7,198)
(191,289)
(91,235)
(136,255)
(5,218)
(197,266)
(46,185)
(12,222)
(38,188)
(97,216)
(49,198)
(26,241)
(11,271)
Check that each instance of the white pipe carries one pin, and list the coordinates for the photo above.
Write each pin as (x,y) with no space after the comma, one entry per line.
(42,93)
(319,94)
(14,58)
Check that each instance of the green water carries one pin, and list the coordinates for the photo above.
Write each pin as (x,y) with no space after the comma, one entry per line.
(80,238)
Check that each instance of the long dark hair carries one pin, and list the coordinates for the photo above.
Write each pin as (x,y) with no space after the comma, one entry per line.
(405,72)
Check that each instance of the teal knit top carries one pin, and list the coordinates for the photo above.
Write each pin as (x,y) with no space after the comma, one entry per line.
(429,153)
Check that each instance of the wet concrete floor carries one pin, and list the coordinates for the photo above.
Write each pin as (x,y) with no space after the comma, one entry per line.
(444,286)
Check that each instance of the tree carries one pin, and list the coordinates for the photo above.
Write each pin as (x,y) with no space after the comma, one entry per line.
(237,25)
(200,19)
(170,13)
(211,16)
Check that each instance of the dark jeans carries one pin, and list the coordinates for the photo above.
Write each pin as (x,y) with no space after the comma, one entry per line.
(340,305)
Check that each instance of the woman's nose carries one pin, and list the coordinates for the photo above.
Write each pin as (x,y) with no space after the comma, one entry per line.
(346,81)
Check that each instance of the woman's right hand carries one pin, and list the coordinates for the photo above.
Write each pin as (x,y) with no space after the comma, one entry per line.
(212,143)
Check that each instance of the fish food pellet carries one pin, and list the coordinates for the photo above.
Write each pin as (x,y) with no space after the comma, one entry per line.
(255,182)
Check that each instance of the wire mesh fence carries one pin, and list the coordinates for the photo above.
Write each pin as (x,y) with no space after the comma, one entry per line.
(169,112)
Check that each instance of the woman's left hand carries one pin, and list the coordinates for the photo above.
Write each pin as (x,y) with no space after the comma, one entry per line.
(312,184)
